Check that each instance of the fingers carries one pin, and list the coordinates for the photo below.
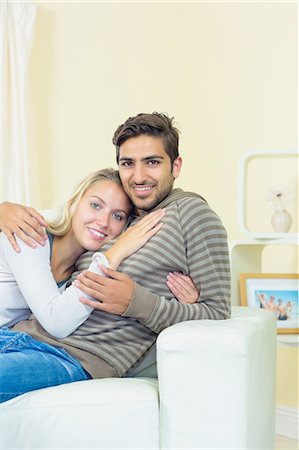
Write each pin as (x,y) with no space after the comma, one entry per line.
(12,240)
(34,230)
(92,279)
(182,282)
(150,220)
(135,237)
(147,227)
(179,291)
(182,287)
(89,288)
(95,304)
(176,292)
(114,274)
(154,230)
(152,217)
(38,217)
(96,285)
(99,279)
(21,235)
(24,222)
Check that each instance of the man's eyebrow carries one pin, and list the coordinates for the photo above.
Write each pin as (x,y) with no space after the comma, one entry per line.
(125,158)
(128,158)
(153,157)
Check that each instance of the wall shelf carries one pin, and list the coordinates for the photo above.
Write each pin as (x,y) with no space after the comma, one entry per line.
(246,159)
(288,340)
(246,255)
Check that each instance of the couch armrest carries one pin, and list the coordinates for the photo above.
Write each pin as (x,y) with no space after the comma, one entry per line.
(217,382)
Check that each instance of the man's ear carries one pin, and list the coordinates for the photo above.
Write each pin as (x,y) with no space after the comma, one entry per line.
(176,167)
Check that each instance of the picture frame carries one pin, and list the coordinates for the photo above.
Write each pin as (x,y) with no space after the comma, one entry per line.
(275,292)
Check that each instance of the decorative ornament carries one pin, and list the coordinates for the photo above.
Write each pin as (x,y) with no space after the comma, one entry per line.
(279,198)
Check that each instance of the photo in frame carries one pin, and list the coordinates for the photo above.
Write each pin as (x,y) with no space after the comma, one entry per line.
(277,293)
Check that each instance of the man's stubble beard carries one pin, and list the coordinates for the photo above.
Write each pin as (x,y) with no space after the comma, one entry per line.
(161,195)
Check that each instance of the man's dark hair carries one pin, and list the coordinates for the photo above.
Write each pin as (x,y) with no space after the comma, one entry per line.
(156,125)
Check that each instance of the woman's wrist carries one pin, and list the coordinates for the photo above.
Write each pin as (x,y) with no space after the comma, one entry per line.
(114,257)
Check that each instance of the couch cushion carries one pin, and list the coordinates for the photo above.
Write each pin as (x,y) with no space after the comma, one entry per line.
(113,413)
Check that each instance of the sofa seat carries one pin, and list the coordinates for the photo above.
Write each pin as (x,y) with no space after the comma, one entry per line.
(106,414)
(215,390)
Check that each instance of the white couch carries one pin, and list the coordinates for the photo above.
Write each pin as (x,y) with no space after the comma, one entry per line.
(215,390)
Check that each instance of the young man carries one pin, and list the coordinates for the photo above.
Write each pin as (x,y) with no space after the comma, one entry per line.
(135,302)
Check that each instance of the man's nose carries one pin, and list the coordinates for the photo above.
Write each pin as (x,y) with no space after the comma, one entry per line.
(139,175)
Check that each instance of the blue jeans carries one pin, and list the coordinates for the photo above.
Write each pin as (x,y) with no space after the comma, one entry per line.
(27,364)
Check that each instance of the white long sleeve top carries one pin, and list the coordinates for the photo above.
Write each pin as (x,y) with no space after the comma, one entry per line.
(27,286)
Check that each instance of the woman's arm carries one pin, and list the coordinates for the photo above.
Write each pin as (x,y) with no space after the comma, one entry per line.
(61,313)
(22,222)
(131,240)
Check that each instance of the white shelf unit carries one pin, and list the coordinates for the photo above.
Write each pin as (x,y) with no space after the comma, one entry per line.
(246,257)
(242,191)
(246,254)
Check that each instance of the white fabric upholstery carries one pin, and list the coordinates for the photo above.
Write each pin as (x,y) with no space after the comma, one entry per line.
(108,414)
(216,384)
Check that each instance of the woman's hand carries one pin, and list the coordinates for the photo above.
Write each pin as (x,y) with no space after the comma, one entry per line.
(24,222)
(182,287)
(134,238)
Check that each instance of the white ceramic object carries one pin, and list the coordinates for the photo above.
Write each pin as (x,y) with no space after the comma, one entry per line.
(281,221)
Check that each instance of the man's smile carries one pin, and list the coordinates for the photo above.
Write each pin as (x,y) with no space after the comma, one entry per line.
(142,190)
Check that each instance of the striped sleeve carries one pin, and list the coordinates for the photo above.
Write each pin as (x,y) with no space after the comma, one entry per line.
(205,242)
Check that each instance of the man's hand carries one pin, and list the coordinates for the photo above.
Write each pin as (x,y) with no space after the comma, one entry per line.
(114,293)
(24,222)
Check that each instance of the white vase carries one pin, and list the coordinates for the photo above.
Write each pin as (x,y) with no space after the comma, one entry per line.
(281,221)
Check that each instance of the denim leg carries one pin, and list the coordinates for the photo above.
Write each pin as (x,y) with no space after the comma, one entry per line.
(27,364)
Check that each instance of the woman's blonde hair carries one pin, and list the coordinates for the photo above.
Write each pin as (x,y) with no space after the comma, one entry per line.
(62,222)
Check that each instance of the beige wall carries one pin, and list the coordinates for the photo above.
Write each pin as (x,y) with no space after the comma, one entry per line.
(226,71)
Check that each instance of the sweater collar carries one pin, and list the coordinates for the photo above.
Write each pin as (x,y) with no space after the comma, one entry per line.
(172,197)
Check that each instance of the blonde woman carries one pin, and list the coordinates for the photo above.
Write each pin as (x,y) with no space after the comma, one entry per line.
(30,281)
(97,212)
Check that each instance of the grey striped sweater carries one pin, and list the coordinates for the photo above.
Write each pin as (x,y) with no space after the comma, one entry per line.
(193,241)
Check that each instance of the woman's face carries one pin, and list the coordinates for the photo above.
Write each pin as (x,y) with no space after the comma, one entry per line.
(100,215)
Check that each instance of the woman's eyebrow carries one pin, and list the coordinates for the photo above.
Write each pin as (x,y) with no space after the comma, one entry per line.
(102,201)
(98,198)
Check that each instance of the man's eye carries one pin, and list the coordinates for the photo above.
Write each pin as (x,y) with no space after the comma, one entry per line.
(126,164)
(153,162)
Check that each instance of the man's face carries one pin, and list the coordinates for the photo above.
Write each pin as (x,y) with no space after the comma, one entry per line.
(145,171)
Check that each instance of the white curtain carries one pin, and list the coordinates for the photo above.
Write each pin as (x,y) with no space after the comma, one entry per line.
(17,26)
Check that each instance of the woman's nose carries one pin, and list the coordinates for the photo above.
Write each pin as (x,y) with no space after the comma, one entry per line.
(103,219)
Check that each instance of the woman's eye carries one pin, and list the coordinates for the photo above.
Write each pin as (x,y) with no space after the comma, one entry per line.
(95,205)
(118,216)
